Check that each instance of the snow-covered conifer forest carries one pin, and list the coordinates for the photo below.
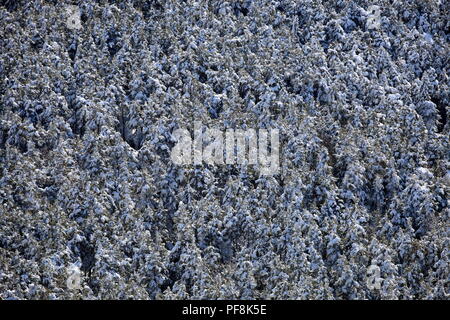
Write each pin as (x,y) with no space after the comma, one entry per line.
(92,207)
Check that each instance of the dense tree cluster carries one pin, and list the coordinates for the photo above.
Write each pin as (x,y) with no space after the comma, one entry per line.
(86,122)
